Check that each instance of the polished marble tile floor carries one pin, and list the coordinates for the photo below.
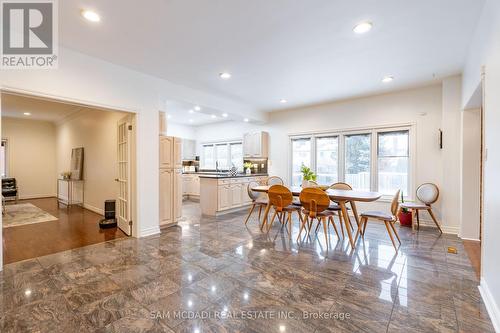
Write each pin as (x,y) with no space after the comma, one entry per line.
(216,275)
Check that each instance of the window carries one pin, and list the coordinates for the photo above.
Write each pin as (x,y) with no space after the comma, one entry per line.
(327,159)
(236,151)
(3,159)
(301,154)
(224,153)
(373,159)
(208,157)
(357,161)
(393,161)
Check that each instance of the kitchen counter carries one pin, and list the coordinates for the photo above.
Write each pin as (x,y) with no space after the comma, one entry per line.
(220,193)
(223,176)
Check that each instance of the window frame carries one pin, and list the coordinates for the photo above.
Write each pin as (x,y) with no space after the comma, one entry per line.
(227,143)
(373,131)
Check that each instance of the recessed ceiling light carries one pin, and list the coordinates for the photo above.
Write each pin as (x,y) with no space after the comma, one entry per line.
(224,115)
(191,111)
(190,120)
(246,120)
(213,116)
(283,101)
(225,75)
(197,108)
(388,79)
(169,116)
(363,27)
(27,113)
(91,16)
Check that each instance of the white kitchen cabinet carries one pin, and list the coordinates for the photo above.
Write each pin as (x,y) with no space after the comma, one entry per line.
(170,182)
(191,185)
(177,197)
(188,150)
(224,196)
(256,144)
(236,199)
(166,152)
(177,153)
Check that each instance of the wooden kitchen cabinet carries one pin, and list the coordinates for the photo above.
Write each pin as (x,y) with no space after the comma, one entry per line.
(177,197)
(236,199)
(177,153)
(166,203)
(166,152)
(224,196)
(256,144)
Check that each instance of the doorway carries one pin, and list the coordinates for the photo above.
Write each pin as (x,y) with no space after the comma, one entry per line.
(55,209)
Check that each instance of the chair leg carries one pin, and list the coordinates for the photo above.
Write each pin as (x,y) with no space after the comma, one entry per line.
(302,226)
(434,219)
(390,234)
(418,218)
(260,211)
(362,226)
(290,224)
(325,229)
(272,221)
(317,226)
(395,232)
(341,224)
(332,221)
(250,213)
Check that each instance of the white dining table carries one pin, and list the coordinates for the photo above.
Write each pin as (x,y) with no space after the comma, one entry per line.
(339,196)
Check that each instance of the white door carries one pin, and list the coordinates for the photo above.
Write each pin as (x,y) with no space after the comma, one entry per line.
(123,202)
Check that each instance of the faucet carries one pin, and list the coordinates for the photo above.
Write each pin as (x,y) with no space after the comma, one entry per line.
(216,166)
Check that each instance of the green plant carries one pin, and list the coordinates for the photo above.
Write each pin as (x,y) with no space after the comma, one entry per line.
(307,173)
(404,210)
(247,165)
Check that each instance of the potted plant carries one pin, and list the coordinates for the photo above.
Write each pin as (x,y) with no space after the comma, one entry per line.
(247,166)
(404,216)
(307,175)
(66,175)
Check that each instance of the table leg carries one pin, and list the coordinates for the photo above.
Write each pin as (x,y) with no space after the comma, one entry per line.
(264,220)
(347,222)
(355,212)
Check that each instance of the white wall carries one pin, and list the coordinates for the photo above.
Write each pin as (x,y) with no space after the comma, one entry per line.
(181,131)
(471,168)
(485,51)
(31,156)
(95,131)
(402,107)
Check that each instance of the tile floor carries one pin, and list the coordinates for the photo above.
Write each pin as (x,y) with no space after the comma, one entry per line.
(216,275)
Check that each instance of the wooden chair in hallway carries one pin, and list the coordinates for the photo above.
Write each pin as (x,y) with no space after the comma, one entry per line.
(280,198)
(315,203)
(388,218)
(257,200)
(274,180)
(427,194)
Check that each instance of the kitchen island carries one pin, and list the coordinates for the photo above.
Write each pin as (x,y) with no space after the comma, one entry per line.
(223,193)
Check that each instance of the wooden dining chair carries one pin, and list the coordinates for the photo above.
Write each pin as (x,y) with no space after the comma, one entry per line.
(335,207)
(257,200)
(388,218)
(427,194)
(315,204)
(274,180)
(280,198)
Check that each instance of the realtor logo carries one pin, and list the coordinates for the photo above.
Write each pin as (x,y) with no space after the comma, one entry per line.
(29,34)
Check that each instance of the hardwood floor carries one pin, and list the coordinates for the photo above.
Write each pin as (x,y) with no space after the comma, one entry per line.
(473,249)
(74,228)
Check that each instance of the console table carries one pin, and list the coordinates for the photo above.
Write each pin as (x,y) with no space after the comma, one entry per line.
(74,192)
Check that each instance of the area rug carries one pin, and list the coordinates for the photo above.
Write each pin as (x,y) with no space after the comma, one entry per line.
(26,213)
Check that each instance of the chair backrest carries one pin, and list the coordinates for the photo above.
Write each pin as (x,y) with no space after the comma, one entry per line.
(274,180)
(314,200)
(340,186)
(395,203)
(279,197)
(252,194)
(428,193)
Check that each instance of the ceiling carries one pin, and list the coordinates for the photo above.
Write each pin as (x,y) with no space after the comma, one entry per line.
(303,51)
(187,114)
(15,106)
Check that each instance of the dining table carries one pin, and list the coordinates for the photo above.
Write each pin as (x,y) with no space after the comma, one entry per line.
(342,197)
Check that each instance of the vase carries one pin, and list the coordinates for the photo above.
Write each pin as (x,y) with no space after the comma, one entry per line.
(248,171)
(405,219)
(305,184)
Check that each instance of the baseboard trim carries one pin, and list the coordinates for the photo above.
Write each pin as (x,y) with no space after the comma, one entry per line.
(469,239)
(94,209)
(491,306)
(446,229)
(36,196)
(149,231)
